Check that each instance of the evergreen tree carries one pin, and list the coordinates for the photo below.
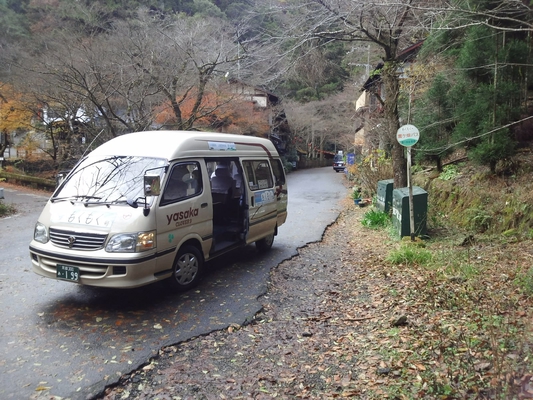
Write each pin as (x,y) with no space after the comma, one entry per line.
(487,86)
(434,118)
(487,96)
(13,20)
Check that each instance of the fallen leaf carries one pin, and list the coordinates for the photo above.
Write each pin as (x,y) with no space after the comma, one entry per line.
(484,366)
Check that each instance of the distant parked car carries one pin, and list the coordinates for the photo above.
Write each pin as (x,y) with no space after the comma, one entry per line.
(338,163)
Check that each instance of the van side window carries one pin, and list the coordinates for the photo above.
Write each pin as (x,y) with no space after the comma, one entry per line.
(279,174)
(185,180)
(258,174)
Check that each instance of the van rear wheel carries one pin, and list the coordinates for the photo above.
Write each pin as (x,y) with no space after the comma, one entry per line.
(266,243)
(188,268)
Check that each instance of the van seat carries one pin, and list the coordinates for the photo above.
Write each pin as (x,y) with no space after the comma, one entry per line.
(222,181)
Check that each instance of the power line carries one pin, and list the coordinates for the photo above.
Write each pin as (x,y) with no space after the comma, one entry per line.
(440,150)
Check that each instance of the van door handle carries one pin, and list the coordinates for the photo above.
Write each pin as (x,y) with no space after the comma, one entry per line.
(252,201)
(203,205)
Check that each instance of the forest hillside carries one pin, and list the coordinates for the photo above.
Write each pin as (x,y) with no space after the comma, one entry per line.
(336,76)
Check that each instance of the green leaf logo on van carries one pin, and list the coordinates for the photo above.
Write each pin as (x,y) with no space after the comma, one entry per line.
(170,237)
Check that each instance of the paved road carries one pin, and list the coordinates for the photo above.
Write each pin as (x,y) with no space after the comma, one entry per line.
(61,339)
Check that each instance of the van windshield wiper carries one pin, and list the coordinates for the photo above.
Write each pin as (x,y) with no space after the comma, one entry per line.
(134,203)
(129,202)
(73,198)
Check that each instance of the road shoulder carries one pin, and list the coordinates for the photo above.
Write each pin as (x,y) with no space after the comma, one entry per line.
(301,344)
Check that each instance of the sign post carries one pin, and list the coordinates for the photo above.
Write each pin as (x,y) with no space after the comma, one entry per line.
(408,136)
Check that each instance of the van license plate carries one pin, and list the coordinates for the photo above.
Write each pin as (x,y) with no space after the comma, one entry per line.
(68,273)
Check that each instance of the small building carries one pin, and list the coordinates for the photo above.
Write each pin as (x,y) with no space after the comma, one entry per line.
(279,130)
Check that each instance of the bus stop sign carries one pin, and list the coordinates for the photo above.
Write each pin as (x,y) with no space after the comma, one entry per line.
(408,135)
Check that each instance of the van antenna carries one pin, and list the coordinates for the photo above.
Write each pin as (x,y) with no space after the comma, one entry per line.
(89,146)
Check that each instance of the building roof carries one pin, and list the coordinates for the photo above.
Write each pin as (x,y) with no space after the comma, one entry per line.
(410,53)
(271,96)
(406,55)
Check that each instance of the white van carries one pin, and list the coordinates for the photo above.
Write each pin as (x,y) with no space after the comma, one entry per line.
(148,206)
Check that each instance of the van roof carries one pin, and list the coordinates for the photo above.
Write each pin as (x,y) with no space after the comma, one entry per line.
(172,145)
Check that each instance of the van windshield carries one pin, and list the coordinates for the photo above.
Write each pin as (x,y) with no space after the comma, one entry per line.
(109,179)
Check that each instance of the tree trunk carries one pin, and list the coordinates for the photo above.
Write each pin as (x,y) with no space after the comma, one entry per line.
(3,143)
(392,88)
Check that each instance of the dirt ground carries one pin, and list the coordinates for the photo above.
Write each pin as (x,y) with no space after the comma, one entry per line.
(320,308)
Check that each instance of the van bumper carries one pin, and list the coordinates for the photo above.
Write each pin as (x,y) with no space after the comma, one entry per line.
(125,271)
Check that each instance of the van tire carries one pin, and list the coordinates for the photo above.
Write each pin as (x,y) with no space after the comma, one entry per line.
(188,268)
(265,244)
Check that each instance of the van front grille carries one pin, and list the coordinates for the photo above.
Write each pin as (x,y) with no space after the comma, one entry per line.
(77,240)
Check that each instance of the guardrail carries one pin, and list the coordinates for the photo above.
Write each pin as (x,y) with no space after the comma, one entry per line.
(314,163)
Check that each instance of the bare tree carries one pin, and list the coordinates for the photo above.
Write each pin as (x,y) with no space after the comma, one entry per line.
(306,126)
(502,15)
(326,121)
(59,115)
(185,59)
(126,74)
(77,71)
(389,24)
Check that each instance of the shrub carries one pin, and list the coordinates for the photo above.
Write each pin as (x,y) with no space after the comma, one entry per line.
(372,169)
(6,209)
(524,280)
(410,254)
(478,219)
(375,219)
(489,152)
(449,172)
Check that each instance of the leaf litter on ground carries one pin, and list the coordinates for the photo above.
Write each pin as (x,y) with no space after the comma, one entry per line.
(339,321)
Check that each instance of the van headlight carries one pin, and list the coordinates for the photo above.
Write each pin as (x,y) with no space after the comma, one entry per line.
(40,233)
(131,242)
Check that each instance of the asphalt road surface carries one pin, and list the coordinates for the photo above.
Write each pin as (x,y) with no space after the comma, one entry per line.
(61,339)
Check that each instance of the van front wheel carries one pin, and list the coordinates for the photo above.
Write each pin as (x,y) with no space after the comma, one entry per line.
(266,243)
(188,268)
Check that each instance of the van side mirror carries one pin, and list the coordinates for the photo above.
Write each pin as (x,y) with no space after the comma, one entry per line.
(60,177)
(152,185)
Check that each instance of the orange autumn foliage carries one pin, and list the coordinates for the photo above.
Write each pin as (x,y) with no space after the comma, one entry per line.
(14,112)
(223,112)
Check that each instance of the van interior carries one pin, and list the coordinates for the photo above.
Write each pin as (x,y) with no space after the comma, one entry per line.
(229,203)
